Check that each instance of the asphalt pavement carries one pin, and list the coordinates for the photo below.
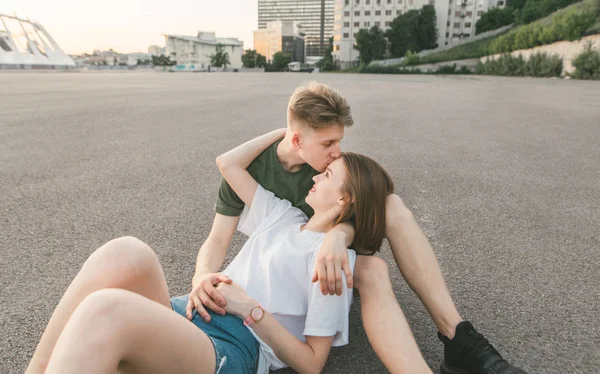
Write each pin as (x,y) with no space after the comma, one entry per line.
(503,175)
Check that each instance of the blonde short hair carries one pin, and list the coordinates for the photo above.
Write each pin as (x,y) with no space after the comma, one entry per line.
(319,106)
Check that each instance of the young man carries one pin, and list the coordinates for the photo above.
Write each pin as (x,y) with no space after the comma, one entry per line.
(317,116)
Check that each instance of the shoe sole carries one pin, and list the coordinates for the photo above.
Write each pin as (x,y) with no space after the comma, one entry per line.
(445,369)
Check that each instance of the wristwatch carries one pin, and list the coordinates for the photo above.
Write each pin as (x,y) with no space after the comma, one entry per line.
(256,314)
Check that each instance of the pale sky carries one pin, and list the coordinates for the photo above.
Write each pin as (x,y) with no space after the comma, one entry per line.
(128,26)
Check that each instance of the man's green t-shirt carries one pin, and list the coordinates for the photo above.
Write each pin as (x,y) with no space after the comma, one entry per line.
(272,176)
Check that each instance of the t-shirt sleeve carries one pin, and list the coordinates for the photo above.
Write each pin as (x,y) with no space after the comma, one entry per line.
(228,202)
(327,315)
(266,209)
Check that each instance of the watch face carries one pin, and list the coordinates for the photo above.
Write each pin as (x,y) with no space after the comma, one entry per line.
(257,314)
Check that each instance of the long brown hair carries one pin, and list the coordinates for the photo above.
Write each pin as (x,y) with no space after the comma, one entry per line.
(367,186)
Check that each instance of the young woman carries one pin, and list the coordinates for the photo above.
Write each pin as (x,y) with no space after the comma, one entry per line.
(276,316)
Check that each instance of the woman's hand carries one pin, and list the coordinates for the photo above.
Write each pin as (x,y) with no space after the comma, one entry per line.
(237,300)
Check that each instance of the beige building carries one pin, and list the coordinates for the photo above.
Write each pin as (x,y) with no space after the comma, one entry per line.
(194,52)
(278,36)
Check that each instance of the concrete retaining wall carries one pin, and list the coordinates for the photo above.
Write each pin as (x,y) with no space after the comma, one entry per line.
(567,50)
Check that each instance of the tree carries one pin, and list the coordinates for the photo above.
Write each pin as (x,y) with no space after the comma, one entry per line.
(252,59)
(494,18)
(220,58)
(403,33)
(281,60)
(162,60)
(326,63)
(414,31)
(428,33)
(371,44)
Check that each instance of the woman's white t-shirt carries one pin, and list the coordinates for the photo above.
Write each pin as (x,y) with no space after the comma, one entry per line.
(275,268)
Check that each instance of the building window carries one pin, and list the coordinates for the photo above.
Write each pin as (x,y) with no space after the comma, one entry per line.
(357,2)
(378,12)
(357,13)
(466,35)
(347,2)
(500,3)
(399,1)
(346,14)
(388,12)
(356,24)
(354,35)
(367,12)
(398,12)
(377,23)
(368,2)
(388,23)
(468,24)
(457,14)
(378,2)
(469,14)
(448,24)
(367,24)
(346,24)
(346,35)
(449,11)
(337,47)
(457,25)
(480,13)
(447,34)
(389,1)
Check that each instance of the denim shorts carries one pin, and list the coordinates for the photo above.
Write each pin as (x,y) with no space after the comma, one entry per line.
(236,349)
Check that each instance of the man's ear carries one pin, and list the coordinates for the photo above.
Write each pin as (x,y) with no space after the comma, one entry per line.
(296,139)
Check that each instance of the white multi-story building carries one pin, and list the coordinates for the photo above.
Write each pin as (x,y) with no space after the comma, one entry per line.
(455,20)
(197,50)
(462,15)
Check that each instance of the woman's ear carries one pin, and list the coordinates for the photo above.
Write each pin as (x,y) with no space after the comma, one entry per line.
(345,200)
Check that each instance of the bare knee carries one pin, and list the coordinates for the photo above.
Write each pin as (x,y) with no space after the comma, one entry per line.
(121,260)
(371,272)
(96,320)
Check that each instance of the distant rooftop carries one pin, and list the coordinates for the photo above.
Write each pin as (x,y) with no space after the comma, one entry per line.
(207,37)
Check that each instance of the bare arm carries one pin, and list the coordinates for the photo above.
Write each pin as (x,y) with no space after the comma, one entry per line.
(309,357)
(332,260)
(212,253)
(233,164)
(209,260)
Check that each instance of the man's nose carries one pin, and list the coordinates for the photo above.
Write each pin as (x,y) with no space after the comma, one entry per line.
(337,152)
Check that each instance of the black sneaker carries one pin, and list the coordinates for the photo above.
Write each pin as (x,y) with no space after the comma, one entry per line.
(470,353)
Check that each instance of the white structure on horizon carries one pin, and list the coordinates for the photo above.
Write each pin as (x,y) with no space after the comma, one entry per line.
(132,58)
(155,50)
(196,50)
(455,20)
(26,44)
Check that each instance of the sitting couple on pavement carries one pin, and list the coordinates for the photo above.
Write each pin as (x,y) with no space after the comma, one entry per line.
(284,300)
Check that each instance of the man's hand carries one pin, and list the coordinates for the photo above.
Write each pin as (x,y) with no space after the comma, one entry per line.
(204,293)
(332,260)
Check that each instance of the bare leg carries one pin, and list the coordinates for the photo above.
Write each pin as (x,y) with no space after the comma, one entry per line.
(383,319)
(419,266)
(125,263)
(114,329)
